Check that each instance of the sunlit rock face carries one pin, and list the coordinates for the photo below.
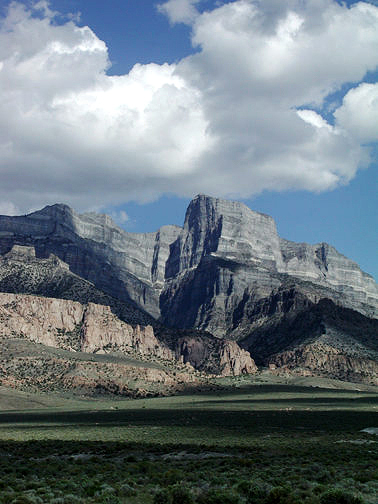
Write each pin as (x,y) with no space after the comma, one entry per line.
(92,328)
(323,265)
(229,272)
(226,271)
(224,229)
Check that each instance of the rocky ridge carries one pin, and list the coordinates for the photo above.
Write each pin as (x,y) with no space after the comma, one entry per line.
(226,273)
(94,328)
(242,248)
(322,339)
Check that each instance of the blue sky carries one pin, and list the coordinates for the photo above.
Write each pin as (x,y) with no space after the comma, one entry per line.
(210,107)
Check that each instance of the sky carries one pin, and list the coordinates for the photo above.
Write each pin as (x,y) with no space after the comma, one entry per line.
(132,107)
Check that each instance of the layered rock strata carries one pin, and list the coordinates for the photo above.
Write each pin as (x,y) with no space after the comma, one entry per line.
(193,276)
(322,339)
(92,328)
(226,272)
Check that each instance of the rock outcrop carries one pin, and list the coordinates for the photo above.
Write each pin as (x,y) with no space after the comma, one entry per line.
(226,273)
(223,358)
(92,328)
(61,323)
(22,272)
(32,367)
(228,261)
(322,339)
(323,360)
(193,276)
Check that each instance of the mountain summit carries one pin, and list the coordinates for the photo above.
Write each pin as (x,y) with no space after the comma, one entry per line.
(226,271)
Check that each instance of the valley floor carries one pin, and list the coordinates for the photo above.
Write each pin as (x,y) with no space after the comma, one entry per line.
(262,441)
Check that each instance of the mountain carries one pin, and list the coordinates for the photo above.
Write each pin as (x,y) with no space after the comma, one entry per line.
(322,338)
(225,273)
(93,343)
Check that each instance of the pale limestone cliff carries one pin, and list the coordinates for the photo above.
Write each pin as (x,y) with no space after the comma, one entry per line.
(231,248)
(93,328)
(72,326)
(43,320)
(102,330)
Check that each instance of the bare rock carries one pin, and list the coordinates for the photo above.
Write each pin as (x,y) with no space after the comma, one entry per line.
(226,272)
(92,328)
(101,329)
(220,357)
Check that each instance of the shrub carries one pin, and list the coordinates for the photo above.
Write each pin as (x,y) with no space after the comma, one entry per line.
(338,496)
(172,476)
(127,490)
(105,490)
(280,495)
(252,490)
(218,496)
(180,495)
(67,499)
(163,496)
(27,499)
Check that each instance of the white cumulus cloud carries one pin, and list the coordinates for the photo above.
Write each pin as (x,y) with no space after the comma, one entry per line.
(358,114)
(180,11)
(233,119)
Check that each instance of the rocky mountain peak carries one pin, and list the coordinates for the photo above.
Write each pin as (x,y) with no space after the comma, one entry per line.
(226,272)
(238,252)
(54,210)
(229,230)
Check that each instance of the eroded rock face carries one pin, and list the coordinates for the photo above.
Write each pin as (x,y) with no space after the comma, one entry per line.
(226,272)
(52,322)
(102,330)
(128,266)
(195,276)
(323,339)
(70,325)
(323,265)
(93,328)
(22,272)
(229,261)
(325,360)
(224,357)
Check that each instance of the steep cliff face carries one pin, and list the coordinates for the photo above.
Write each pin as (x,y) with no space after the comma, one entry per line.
(228,264)
(323,265)
(93,328)
(223,358)
(224,229)
(128,266)
(22,272)
(226,272)
(102,331)
(72,326)
(239,248)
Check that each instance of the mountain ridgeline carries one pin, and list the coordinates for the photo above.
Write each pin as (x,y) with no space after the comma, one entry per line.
(225,274)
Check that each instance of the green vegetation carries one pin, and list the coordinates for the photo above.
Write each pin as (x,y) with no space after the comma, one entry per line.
(253,444)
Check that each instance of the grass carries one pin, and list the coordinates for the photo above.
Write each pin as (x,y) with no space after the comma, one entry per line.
(255,443)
